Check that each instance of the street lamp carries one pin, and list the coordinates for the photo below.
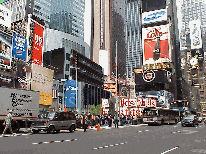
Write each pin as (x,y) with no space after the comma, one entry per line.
(63,103)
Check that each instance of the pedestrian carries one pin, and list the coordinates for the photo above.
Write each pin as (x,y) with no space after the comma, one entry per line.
(7,122)
(116,121)
(86,123)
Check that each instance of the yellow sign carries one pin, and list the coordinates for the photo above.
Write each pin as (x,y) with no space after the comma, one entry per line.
(45,99)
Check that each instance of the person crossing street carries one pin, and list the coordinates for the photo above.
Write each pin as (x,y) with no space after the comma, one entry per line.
(7,122)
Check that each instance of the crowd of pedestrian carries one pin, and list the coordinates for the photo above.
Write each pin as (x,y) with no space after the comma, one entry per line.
(102,120)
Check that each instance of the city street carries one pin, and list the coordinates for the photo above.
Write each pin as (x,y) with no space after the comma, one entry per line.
(126,139)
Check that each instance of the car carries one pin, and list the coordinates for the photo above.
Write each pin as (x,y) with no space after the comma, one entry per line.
(189,120)
(54,121)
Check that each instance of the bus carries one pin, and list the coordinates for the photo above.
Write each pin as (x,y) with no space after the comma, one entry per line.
(160,116)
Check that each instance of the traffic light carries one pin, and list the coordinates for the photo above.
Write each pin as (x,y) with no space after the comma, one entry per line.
(60,100)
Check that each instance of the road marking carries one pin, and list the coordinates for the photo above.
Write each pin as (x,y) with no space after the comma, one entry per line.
(55,141)
(111,145)
(140,131)
(9,135)
(170,150)
(199,150)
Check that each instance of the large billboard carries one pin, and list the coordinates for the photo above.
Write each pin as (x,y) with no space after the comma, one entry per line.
(42,79)
(23,77)
(19,47)
(154,16)
(156,44)
(70,93)
(5,49)
(195,34)
(37,44)
(5,16)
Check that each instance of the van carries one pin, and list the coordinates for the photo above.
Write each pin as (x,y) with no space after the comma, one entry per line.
(54,121)
(190,120)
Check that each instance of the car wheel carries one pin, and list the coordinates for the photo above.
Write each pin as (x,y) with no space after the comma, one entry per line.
(51,129)
(72,128)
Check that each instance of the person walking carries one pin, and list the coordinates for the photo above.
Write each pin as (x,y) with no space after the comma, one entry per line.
(7,122)
(86,122)
(115,121)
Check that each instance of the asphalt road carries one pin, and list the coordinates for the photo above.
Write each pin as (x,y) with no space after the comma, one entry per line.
(172,139)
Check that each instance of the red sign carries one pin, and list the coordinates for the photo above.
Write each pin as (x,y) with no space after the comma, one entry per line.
(140,102)
(37,44)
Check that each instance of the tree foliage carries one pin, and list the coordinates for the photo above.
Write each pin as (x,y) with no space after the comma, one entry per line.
(96,109)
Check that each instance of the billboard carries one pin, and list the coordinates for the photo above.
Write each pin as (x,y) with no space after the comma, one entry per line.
(42,79)
(37,44)
(5,49)
(195,34)
(105,103)
(155,44)
(19,47)
(45,99)
(5,16)
(23,77)
(154,16)
(70,93)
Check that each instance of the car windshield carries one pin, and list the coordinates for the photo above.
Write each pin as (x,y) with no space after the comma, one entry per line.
(47,115)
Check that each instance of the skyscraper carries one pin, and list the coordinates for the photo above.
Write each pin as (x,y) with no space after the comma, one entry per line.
(133,36)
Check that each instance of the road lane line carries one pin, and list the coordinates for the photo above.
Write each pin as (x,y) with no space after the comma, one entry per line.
(111,145)
(170,150)
(55,141)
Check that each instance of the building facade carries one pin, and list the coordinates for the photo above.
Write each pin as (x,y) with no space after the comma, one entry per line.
(133,36)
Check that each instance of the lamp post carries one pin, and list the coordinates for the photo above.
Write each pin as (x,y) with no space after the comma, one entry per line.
(63,104)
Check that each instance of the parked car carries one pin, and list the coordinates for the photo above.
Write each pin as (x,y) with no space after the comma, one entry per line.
(54,121)
(190,120)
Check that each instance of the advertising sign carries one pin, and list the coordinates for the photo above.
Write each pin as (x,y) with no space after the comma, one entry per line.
(5,16)
(70,93)
(6,81)
(37,44)
(21,102)
(45,99)
(23,77)
(111,87)
(5,49)
(140,102)
(154,16)
(42,79)
(105,103)
(105,111)
(155,45)
(195,34)
(19,47)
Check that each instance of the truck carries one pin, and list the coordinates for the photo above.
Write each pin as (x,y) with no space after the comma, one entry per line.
(24,105)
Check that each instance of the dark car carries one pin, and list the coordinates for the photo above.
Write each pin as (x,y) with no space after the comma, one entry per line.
(190,120)
(51,122)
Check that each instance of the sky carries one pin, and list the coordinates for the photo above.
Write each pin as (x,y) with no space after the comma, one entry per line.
(87,22)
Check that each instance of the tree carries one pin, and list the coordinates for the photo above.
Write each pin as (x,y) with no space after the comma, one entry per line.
(96,109)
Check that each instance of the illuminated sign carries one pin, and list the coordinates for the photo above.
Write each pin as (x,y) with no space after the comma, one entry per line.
(148,76)
(154,16)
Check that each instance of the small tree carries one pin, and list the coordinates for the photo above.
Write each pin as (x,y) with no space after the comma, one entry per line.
(95,109)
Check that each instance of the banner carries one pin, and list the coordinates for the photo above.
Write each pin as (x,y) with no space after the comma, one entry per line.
(154,16)
(42,79)
(23,77)
(140,102)
(5,16)
(5,49)
(155,39)
(19,47)
(195,34)
(105,103)
(45,99)
(37,44)
(70,93)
